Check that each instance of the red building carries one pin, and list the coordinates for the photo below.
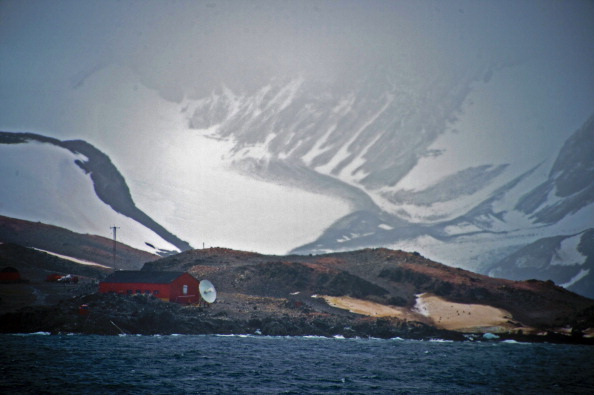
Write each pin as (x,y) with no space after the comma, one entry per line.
(10,275)
(177,287)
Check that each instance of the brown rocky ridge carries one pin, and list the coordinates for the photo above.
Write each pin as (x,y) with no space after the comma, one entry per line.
(62,241)
(371,292)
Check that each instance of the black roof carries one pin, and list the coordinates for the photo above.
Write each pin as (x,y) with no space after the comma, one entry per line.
(135,276)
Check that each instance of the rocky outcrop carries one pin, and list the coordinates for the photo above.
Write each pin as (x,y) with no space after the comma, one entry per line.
(62,241)
(302,295)
(380,275)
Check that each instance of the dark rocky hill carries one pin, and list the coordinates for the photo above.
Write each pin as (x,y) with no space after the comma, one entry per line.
(383,276)
(370,292)
(62,241)
(34,267)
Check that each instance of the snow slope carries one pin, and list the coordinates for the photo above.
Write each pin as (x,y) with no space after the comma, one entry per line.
(180,177)
(40,182)
(569,259)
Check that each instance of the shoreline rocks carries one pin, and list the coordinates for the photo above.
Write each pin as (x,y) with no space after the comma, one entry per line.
(110,314)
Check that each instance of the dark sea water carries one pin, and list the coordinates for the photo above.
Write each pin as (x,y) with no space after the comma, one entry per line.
(79,364)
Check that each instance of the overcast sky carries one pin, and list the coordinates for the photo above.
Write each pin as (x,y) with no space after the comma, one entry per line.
(191,47)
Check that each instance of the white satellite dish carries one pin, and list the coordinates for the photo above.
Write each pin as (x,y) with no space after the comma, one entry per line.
(207,291)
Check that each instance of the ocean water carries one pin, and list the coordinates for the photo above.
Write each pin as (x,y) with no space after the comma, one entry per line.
(184,364)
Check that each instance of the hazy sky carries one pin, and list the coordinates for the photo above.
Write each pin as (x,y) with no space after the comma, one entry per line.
(186,44)
(188,48)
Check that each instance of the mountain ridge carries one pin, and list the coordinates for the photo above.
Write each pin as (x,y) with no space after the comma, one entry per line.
(500,214)
(109,184)
(91,248)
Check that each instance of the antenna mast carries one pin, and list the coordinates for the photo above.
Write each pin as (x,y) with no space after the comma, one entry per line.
(115,229)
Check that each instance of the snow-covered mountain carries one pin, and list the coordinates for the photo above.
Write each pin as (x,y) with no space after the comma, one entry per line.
(72,183)
(462,131)
(568,259)
(181,179)
(539,207)
(361,147)
(473,218)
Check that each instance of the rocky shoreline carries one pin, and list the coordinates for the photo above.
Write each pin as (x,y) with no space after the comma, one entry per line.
(110,314)
(376,293)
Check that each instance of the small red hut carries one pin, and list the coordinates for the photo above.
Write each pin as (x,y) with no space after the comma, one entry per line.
(179,287)
(10,275)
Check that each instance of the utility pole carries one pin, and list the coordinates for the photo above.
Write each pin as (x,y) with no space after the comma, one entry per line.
(114,228)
